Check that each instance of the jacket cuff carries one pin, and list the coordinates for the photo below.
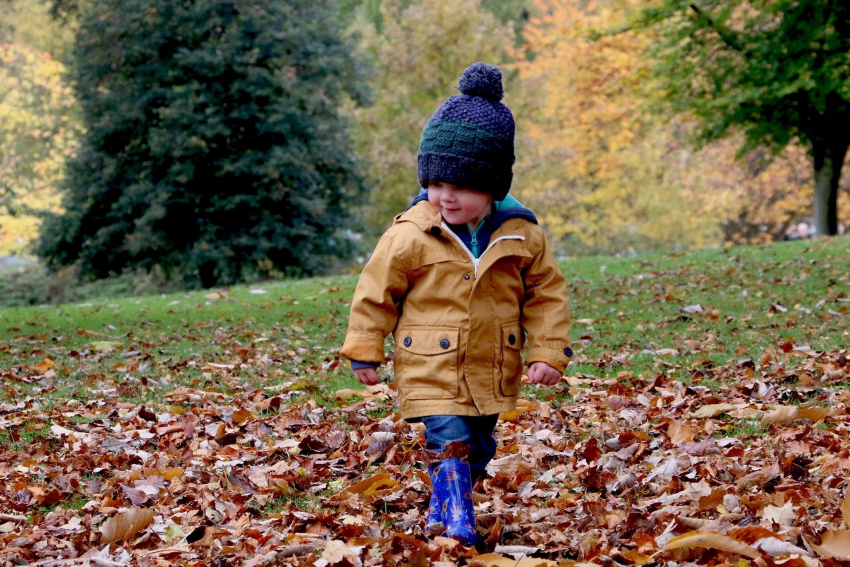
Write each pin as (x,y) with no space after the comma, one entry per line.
(554,357)
(364,348)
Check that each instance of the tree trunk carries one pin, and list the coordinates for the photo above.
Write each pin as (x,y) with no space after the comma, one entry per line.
(828,161)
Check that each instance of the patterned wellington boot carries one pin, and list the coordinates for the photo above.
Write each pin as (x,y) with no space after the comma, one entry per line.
(453,480)
(434,521)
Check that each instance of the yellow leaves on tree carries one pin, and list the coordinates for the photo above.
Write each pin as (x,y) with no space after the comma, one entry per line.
(591,168)
(38,122)
(605,172)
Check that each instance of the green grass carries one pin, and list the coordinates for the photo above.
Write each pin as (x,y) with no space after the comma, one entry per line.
(626,311)
(18,437)
(747,430)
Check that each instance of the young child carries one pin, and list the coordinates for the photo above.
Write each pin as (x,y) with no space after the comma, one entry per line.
(460,278)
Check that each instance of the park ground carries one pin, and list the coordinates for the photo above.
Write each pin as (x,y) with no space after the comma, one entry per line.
(702,421)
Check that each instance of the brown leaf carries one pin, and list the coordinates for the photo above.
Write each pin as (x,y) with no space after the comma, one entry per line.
(760,476)
(241,416)
(240,480)
(711,540)
(816,413)
(125,525)
(835,544)
(372,484)
(136,496)
(782,515)
(337,552)
(679,432)
(712,410)
(845,509)
(43,366)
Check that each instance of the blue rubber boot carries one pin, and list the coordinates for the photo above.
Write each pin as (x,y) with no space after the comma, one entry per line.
(434,520)
(453,485)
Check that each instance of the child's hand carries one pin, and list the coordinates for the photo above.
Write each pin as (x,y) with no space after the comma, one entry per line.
(367,376)
(542,373)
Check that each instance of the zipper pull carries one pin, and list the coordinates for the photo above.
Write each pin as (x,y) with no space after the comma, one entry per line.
(475,243)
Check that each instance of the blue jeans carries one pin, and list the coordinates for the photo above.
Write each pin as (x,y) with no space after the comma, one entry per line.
(477,432)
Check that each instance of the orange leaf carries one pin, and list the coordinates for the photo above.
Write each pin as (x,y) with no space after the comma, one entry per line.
(43,366)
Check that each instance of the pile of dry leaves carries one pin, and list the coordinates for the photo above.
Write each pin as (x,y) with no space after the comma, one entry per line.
(630,471)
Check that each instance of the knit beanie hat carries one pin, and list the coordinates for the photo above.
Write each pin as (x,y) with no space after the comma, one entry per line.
(469,141)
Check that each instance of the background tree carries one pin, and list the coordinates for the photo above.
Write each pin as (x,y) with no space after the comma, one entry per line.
(214,146)
(603,176)
(776,70)
(39,118)
(419,54)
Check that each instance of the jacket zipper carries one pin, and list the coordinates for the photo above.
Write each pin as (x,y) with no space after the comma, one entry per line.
(476,261)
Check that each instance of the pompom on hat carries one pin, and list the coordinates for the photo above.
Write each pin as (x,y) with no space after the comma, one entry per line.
(469,141)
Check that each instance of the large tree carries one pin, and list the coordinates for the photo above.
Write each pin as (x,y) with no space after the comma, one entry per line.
(777,70)
(214,146)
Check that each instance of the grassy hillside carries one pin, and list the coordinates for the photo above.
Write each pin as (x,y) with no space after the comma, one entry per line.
(642,315)
(708,394)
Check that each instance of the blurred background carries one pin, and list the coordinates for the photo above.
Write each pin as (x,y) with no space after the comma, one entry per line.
(164,144)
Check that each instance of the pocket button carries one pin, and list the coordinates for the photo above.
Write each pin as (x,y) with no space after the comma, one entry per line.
(408,341)
(512,339)
(444,343)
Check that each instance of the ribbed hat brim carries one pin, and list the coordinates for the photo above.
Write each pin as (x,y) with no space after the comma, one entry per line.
(489,178)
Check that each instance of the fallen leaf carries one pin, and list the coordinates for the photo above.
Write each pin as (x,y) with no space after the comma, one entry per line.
(336,551)
(781,414)
(845,510)
(172,531)
(43,366)
(782,515)
(711,540)
(712,410)
(104,345)
(679,432)
(775,547)
(835,544)
(517,551)
(816,413)
(125,525)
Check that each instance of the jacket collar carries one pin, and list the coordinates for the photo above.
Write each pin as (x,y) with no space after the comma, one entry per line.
(509,208)
(425,216)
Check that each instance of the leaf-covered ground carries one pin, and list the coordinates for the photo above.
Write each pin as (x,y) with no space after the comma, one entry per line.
(703,421)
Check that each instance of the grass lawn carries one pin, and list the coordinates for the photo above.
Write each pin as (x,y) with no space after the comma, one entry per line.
(242,391)
(634,315)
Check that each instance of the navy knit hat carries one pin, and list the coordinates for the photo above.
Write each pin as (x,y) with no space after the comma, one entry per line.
(469,142)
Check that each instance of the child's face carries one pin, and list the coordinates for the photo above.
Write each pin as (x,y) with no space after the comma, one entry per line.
(458,205)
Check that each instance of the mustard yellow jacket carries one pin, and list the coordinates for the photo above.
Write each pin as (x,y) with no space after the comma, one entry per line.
(459,323)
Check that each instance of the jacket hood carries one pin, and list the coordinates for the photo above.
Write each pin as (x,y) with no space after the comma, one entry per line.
(508,208)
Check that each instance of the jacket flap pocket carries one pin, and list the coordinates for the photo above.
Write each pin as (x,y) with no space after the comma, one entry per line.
(512,336)
(427,340)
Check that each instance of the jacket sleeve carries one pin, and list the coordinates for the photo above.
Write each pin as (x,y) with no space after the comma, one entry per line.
(374,308)
(546,312)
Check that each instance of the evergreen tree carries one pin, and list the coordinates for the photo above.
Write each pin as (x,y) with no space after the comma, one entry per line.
(215,148)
